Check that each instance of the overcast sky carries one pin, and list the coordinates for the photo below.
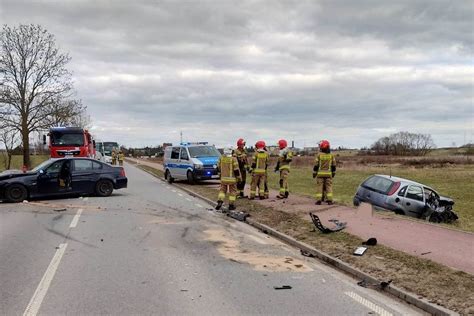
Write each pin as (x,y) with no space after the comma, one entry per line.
(346,71)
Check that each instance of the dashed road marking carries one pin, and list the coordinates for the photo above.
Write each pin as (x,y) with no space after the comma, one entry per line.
(199,205)
(35,302)
(180,194)
(174,191)
(188,199)
(75,220)
(359,299)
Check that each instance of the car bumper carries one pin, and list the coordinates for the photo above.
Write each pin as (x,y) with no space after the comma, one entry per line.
(121,183)
(206,174)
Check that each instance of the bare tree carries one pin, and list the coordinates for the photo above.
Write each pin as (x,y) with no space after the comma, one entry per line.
(68,113)
(9,138)
(403,144)
(33,80)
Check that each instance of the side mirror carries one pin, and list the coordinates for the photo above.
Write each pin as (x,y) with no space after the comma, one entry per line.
(44,139)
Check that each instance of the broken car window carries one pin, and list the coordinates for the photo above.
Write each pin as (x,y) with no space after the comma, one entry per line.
(415,193)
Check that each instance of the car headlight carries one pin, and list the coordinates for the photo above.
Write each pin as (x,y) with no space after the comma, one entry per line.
(197,166)
(214,166)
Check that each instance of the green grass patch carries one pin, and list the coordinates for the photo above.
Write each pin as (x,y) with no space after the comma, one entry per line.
(455,182)
(17,161)
(437,283)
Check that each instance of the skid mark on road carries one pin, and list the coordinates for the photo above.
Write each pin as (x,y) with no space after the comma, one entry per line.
(231,248)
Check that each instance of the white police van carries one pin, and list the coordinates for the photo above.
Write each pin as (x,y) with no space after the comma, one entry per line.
(191,162)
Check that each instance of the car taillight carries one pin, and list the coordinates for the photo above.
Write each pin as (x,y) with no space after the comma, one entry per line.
(394,188)
(122,172)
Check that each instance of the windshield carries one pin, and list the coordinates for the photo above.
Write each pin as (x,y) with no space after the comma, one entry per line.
(109,146)
(67,139)
(203,151)
(42,166)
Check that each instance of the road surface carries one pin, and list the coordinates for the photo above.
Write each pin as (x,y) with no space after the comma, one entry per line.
(152,249)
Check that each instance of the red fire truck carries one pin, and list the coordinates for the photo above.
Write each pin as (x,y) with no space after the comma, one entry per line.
(70,142)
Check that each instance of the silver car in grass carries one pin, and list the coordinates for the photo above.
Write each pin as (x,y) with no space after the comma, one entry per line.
(405,197)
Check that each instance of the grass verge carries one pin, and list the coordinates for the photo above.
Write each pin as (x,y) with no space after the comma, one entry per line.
(455,182)
(437,283)
(17,161)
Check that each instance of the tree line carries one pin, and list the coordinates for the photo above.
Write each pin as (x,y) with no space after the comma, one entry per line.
(403,144)
(36,88)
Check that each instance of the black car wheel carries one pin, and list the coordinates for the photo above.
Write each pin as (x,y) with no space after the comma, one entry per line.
(16,193)
(168,177)
(190,177)
(104,188)
(356,201)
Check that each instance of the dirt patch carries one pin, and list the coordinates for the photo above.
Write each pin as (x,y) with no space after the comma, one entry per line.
(231,249)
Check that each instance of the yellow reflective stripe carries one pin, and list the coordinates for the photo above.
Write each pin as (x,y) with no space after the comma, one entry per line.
(285,167)
(319,195)
(228,179)
(221,196)
(232,198)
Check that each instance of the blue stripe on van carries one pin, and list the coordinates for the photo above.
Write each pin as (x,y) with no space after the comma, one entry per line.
(175,165)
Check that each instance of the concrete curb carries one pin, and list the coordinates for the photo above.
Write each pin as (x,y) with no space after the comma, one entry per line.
(410,298)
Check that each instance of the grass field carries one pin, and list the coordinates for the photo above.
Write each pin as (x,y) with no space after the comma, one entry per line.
(455,182)
(17,161)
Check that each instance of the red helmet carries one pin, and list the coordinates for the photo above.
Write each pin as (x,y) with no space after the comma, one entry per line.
(260,144)
(241,143)
(324,144)
(282,144)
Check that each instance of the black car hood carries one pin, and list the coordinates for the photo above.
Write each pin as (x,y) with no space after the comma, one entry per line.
(8,174)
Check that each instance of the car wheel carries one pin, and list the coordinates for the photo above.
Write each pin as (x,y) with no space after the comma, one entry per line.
(168,177)
(356,202)
(16,193)
(399,212)
(104,188)
(190,177)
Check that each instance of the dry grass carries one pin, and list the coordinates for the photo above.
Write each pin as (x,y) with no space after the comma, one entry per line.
(439,284)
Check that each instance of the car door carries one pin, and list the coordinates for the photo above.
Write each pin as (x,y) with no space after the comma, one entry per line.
(414,201)
(48,179)
(183,163)
(174,163)
(84,176)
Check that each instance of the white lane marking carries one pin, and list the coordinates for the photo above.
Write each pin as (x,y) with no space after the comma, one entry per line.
(174,191)
(188,199)
(199,205)
(359,299)
(75,220)
(35,302)
(180,194)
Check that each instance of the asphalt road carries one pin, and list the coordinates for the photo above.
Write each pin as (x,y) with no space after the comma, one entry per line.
(152,249)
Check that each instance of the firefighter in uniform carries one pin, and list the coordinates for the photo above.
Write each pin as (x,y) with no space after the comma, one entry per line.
(324,170)
(114,157)
(230,174)
(259,169)
(283,165)
(241,154)
(120,157)
(266,193)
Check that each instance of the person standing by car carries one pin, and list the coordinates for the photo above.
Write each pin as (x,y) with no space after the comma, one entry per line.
(241,154)
(65,176)
(120,157)
(230,175)
(283,165)
(324,171)
(114,157)
(259,168)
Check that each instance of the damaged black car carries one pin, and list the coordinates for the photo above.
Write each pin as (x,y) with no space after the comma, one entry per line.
(406,197)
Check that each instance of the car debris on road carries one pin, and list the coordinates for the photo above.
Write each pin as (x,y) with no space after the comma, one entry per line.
(325,230)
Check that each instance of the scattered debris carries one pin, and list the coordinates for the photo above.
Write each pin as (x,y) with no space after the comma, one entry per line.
(326,230)
(183,290)
(360,251)
(241,216)
(101,239)
(60,210)
(380,286)
(306,254)
(425,253)
(370,242)
(283,287)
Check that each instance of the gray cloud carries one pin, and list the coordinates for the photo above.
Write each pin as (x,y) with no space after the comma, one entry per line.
(349,71)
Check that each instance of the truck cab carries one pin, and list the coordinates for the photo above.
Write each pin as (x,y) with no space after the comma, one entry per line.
(191,161)
(70,142)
